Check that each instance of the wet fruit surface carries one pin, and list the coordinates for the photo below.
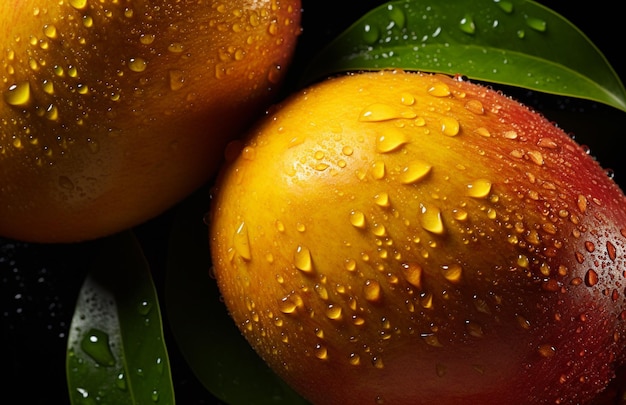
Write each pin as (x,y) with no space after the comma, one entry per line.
(111,113)
(422,240)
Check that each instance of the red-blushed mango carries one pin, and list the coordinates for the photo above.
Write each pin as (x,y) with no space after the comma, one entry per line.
(111,112)
(404,238)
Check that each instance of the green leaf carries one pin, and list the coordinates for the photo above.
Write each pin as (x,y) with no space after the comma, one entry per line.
(511,42)
(116,352)
(210,342)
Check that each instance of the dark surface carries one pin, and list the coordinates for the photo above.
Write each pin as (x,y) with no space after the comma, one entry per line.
(39,283)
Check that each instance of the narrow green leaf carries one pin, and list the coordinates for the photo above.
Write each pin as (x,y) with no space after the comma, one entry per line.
(210,342)
(116,353)
(512,42)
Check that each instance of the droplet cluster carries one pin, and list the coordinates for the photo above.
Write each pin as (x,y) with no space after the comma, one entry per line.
(421,220)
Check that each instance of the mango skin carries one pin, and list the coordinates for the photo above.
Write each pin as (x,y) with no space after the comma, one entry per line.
(112,112)
(404,238)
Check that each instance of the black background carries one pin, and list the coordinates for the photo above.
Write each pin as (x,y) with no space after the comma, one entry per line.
(39,283)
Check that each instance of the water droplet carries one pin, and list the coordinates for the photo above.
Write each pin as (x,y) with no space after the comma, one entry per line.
(357,219)
(412,273)
(354,359)
(537,24)
(95,344)
(479,188)
(303,260)
(370,34)
(390,140)
(241,242)
(18,95)
(50,31)
(407,99)
(610,248)
(144,307)
(397,16)
(505,5)
(321,291)
(460,214)
(52,113)
(321,352)
(349,264)
(546,350)
(467,24)
(334,312)
(536,157)
(474,329)
(450,126)
(382,199)
(377,362)
(431,219)
(379,112)
(78,4)
(120,382)
(439,89)
(65,183)
(431,339)
(591,278)
(452,272)
(280,227)
(415,172)
(147,39)
(378,170)
(289,304)
(137,64)
(379,230)
(177,79)
(372,291)
(581,202)
(475,107)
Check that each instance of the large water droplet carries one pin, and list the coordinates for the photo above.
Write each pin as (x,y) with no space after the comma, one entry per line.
(390,139)
(334,312)
(370,34)
(467,24)
(95,344)
(137,64)
(303,260)
(450,126)
(415,172)
(397,16)
(431,219)
(357,219)
(479,188)
(591,278)
(505,5)
(78,4)
(537,24)
(452,272)
(413,274)
(372,291)
(18,95)
(379,112)
(439,89)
